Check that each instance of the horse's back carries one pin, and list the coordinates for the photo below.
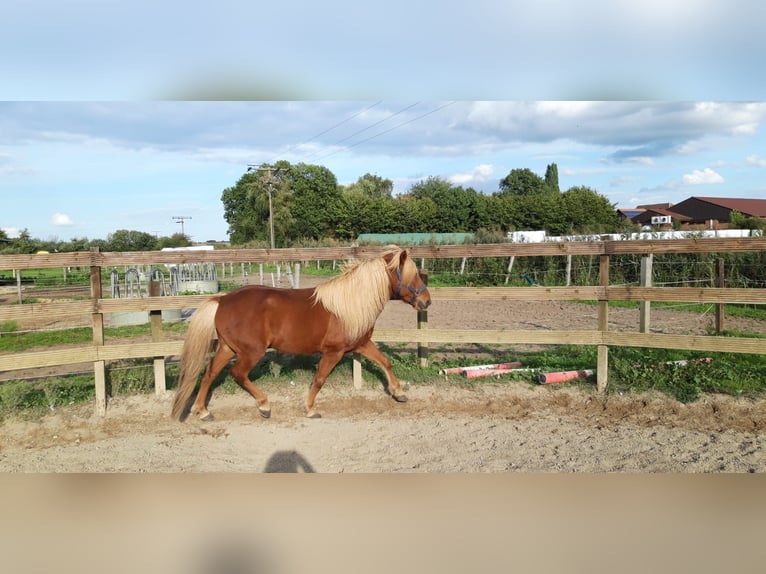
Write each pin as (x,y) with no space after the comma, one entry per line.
(284,319)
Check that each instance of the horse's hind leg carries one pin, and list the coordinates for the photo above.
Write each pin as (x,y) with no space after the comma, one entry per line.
(221,358)
(371,351)
(241,373)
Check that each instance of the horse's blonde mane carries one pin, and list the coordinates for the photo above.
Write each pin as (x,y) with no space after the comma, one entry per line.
(358,295)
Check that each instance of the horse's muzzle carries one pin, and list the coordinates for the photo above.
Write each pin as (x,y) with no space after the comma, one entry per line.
(423,305)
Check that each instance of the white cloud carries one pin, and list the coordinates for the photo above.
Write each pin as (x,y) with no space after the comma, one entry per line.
(756,161)
(480,174)
(706,175)
(11,232)
(61,219)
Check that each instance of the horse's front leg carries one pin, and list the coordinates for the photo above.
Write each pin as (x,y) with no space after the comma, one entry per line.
(326,365)
(371,351)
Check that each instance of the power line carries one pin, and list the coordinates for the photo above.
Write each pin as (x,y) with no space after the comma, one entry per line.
(340,123)
(356,133)
(428,113)
(337,125)
(180,219)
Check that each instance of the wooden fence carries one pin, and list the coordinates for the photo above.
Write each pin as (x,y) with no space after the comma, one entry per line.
(100,351)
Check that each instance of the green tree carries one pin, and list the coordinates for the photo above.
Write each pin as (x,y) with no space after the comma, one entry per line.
(457,209)
(24,243)
(738,220)
(175,240)
(584,210)
(243,209)
(317,203)
(523,182)
(541,212)
(387,216)
(552,177)
(413,215)
(130,240)
(372,186)
(356,213)
(75,244)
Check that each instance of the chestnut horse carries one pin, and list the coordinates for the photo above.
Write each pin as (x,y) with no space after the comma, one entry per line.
(335,318)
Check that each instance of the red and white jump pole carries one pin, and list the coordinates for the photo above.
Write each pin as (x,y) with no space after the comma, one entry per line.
(476,373)
(564,376)
(495,366)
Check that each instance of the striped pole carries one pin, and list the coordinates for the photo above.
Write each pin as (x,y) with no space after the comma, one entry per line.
(495,366)
(564,376)
(495,372)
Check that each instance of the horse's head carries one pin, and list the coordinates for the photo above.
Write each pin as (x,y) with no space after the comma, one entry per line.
(406,282)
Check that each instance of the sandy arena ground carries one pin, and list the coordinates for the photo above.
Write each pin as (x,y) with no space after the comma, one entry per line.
(491,427)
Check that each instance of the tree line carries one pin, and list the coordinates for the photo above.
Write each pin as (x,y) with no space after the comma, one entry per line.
(307,203)
(120,240)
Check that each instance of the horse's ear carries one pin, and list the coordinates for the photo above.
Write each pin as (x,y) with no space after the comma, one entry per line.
(402,255)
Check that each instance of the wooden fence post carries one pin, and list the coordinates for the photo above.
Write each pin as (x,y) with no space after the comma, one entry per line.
(645,307)
(423,324)
(18,285)
(720,307)
(603,325)
(356,371)
(99,367)
(155,318)
(509,268)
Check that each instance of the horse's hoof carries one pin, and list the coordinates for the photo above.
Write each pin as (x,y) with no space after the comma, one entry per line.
(313,415)
(400,398)
(265,413)
(207,417)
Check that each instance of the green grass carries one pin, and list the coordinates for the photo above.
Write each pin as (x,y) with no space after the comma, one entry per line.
(632,370)
(638,370)
(12,341)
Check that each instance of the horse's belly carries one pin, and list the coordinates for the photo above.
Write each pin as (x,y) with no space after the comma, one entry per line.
(306,337)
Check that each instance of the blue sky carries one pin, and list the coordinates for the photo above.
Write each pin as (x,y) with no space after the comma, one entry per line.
(117,115)
(85,169)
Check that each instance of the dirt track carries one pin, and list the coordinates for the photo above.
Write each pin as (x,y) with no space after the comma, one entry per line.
(493,427)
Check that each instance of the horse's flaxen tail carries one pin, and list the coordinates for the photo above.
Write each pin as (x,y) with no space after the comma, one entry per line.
(197,346)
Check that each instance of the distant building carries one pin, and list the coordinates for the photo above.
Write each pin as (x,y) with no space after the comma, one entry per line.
(715,212)
(694,213)
(660,218)
(629,212)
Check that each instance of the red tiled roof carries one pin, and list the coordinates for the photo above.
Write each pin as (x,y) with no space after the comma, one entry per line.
(659,211)
(752,207)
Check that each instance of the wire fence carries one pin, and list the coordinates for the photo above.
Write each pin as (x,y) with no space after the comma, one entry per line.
(668,270)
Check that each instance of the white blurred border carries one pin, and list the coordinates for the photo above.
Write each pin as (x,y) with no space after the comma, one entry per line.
(487,49)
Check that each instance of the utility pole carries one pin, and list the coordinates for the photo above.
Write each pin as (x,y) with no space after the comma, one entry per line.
(272,177)
(180,219)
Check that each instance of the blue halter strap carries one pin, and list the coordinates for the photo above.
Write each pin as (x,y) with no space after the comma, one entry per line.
(410,288)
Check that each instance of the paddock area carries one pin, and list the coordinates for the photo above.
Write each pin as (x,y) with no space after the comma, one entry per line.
(491,426)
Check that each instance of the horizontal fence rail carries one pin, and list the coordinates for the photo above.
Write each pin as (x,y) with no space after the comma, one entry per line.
(638,247)
(96,307)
